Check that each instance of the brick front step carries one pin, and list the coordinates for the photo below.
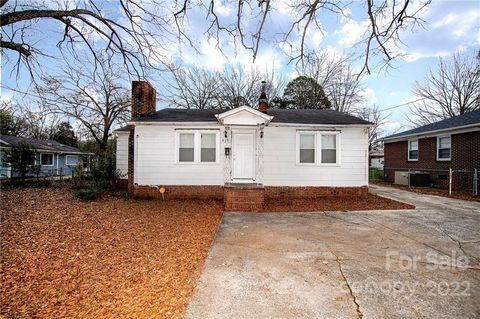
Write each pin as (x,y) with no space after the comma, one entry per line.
(244,198)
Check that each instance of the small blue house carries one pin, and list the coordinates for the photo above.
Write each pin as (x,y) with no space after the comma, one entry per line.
(54,158)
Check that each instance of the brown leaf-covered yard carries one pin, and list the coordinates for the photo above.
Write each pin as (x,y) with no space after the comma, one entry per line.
(114,258)
(111,258)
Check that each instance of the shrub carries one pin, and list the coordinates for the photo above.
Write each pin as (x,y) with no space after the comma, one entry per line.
(104,171)
(87,193)
(20,158)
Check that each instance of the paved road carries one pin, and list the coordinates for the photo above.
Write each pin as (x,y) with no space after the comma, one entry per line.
(422,263)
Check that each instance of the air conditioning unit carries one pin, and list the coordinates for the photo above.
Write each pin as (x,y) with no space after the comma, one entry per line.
(401,178)
(420,179)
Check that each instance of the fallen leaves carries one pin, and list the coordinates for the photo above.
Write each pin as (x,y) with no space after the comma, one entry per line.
(110,258)
(372,202)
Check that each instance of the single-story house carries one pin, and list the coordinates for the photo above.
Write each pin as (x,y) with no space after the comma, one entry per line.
(376,158)
(242,155)
(430,151)
(53,157)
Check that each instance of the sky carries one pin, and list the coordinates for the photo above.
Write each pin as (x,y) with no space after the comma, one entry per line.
(450,26)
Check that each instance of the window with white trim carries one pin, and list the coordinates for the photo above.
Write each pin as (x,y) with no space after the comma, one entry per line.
(413,150)
(307,148)
(46,159)
(186,150)
(72,160)
(444,148)
(197,146)
(208,149)
(320,148)
(329,149)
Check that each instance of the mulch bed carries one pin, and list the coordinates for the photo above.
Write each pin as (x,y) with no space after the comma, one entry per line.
(372,202)
(111,258)
(465,195)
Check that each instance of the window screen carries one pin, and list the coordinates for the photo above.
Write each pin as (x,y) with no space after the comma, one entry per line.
(413,150)
(186,149)
(329,148)
(72,160)
(444,146)
(307,148)
(208,147)
(46,159)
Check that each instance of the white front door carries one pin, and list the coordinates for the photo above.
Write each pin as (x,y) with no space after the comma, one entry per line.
(243,156)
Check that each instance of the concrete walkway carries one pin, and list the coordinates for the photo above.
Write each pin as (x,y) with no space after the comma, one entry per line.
(422,263)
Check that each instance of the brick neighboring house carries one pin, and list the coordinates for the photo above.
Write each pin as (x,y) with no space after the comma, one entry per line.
(435,148)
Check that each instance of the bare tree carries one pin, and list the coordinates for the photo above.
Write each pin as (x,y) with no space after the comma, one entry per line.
(139,31)
(136,31)
(96,98)
(335,75)
(37,122)
(374,115)
(191,88)
(239,86)
(30,118)
(452,89)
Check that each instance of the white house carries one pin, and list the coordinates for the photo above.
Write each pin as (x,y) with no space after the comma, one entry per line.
(223,153)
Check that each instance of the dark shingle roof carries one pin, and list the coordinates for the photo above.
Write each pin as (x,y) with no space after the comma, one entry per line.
(470,118)
(317,116)
(46,145)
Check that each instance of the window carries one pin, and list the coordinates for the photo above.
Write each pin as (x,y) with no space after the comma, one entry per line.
(307,148)
(186,147)
(197,146)
(321,148)
(71,160)
(329,149)
(46,159)
(208,147)
(413,150)
(443,148)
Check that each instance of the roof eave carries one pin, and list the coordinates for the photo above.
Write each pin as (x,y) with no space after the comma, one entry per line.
(457,130)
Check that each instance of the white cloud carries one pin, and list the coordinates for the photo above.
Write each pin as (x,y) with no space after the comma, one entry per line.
(369,95)
(351,32)
(222,9)
(445,33)
(318,37)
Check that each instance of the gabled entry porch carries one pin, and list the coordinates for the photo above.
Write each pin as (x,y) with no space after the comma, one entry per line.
(243,166)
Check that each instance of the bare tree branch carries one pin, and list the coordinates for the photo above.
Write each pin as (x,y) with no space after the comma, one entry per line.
(452,89)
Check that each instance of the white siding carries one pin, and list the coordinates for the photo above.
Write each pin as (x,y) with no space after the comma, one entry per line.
(155,160)
(280,168)
(122,154)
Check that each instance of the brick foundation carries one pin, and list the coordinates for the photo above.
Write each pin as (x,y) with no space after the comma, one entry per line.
(272,192)
(179,192)
(246,198)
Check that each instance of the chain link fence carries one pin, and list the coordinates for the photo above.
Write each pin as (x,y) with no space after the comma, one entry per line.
(450,179)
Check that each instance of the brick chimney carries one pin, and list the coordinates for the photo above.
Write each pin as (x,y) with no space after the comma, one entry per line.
(144,98)
(263,101)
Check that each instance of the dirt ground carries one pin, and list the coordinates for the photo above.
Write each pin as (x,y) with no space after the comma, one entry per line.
(111,258)
(372,202)
(465,195)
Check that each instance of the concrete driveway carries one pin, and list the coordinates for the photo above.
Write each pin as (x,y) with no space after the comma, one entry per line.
(422,263)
